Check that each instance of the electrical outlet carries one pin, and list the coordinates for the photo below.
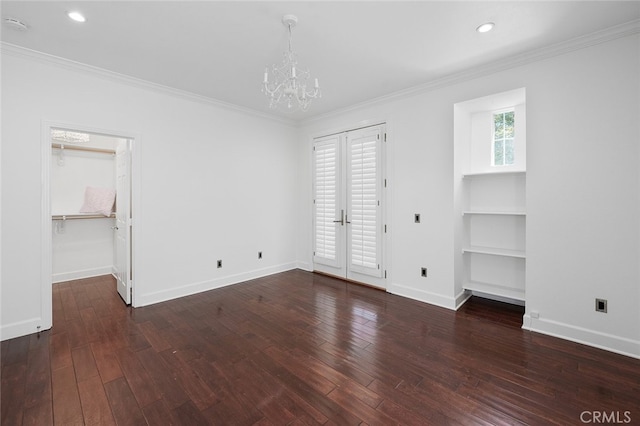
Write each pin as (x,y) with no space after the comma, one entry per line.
(416,218)
(259,255)
(219,263)
(601,305)
(423,272)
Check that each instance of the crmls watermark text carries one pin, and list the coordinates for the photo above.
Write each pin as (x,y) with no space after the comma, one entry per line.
(610,417)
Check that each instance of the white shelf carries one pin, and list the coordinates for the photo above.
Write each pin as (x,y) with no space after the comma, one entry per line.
(486,212)
(495,251)
(497,290)
(503,173)
(81,216)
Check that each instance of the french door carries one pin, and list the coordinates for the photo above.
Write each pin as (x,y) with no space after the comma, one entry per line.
(348,219)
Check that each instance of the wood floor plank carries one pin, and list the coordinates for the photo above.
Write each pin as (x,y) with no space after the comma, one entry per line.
(287,397)
(66,400)
(165,382)
(231,408)
(12,397)
(189,414)
(124,407)
(299,348)
(15,350)
(84,363)
(38,377)
(157,413)
(38,415)
(92,325)
(60,351)
(69,305)
(201,394)
(312,378)
(93,399)
(153,336)
(138,378)
(359,408)
(106,361)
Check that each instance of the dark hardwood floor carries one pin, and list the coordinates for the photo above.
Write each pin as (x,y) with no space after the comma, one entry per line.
(301,349)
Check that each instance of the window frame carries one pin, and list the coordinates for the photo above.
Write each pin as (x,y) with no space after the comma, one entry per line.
(503,139)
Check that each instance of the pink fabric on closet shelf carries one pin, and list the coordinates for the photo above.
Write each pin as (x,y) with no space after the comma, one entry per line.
(98,200)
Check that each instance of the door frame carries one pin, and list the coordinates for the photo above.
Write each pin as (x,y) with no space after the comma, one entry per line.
(387,170)
(46,299)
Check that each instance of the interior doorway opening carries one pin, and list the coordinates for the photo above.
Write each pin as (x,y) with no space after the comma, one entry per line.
(88,219)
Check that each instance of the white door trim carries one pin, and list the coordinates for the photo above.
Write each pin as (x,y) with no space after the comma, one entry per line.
(46,301)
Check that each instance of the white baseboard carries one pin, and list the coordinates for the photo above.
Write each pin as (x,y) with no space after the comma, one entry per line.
(584,336)
(84,273)
(305,266)
(462,297)
(193,288)
(22,328)
(424,296)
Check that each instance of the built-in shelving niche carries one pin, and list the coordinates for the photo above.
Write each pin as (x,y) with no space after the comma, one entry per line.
(490,201)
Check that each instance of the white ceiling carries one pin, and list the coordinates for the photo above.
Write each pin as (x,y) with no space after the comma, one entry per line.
(359,50)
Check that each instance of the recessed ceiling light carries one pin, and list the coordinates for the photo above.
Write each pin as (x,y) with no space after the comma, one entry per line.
(77,16)
(486,27)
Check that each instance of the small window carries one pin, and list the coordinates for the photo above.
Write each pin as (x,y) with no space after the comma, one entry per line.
(503,134)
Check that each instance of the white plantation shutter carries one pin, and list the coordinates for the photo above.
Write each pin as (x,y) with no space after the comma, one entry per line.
(363,202)
(326,201)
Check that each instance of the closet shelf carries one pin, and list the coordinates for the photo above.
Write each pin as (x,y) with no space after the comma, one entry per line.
(495,251)
(492,212)
(497,290)
(81,216)
(509,172)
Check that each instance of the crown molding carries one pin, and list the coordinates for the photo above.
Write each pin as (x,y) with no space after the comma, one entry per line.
(568,46)
(18,51)
(609,34)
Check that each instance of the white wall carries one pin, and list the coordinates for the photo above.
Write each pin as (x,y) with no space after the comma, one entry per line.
(208,172)
(81,248)
(583,209)
(214,183)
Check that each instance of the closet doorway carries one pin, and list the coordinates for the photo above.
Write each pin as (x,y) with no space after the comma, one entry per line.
(349,205)
(89,182)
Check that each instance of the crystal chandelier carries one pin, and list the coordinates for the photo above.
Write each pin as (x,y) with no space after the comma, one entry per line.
(288,83)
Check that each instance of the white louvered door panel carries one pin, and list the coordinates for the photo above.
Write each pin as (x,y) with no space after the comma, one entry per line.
(328,208)
(363,199)
(348,205)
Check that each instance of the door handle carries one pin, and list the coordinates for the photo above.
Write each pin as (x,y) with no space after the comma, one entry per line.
(341,221)
(114,227)
(346,219)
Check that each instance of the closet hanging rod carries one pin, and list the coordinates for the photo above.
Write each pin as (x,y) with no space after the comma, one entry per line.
(81,216)
(82,148)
